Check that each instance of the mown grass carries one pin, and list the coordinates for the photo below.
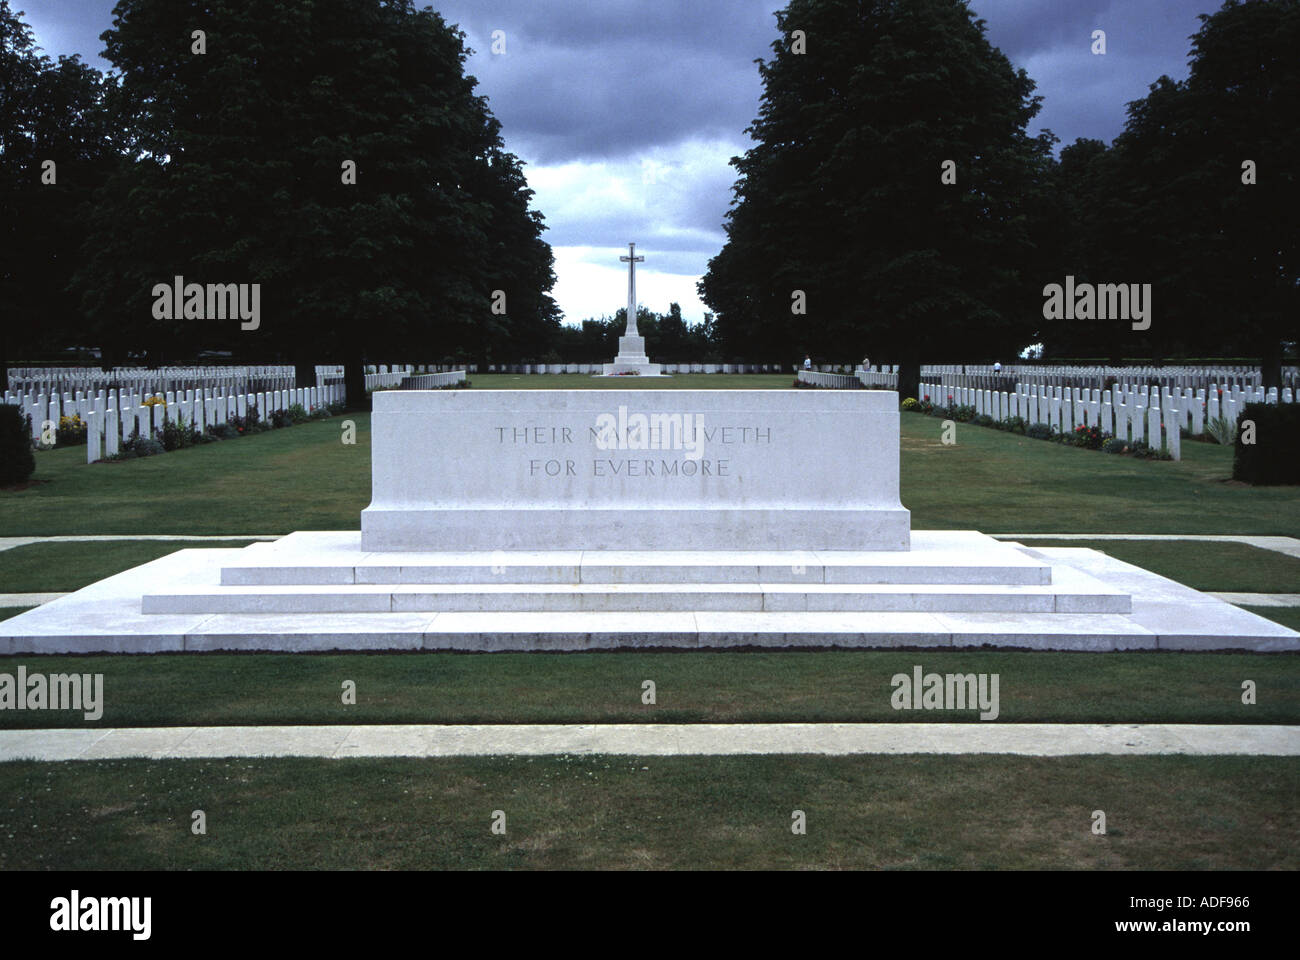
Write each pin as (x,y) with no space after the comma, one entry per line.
(694,687)
(1224,567)
(600,812)
(70,565)
(999,482)
(299,478)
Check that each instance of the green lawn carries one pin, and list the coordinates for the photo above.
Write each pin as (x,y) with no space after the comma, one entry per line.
(67,566)
(297,478)
(695,687)
(598,812)
(999,482)
(304,478)
(1222,567)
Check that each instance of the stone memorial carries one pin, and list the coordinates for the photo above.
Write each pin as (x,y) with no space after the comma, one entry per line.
(635,470)
(632,359)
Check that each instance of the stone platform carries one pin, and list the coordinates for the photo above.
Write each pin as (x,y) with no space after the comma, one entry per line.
(315,591)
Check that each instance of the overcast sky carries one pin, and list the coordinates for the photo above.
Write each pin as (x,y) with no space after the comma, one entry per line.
(627,111)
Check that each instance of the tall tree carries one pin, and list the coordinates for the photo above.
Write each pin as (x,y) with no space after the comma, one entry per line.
(56,148)
(1205,193)
(841,201)
(334,153)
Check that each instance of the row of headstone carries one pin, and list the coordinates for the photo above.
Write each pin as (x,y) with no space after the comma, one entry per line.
(432,381)
(878,378)
(33,380)
(29,382)
(982,376)
(111,423)
(1157,418)
(833,381)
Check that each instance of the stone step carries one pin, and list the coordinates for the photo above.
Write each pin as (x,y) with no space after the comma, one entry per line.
(106,617)
(1080,595)
(936,558)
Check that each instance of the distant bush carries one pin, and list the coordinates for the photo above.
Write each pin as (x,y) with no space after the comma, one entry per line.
(1039,431)
(222,431)
(281,418)
(1271,458)
(982,420)
(175,435)
(1114,445)
(138,446)
(298,413)
(71,431)
(17,462)
(1090,438)
(910,403)
(1012,424)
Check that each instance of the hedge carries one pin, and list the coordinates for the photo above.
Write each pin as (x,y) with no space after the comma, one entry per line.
(1274,456)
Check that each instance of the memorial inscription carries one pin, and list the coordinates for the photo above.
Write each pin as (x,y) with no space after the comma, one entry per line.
(634,469)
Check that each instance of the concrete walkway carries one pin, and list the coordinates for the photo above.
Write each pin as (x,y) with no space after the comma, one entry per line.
(661,739)
(1260,599)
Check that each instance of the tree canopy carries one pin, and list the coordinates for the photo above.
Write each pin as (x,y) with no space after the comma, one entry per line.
(841,197)
(334,153)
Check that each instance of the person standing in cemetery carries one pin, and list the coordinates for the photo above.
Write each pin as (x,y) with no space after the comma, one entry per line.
(807,362)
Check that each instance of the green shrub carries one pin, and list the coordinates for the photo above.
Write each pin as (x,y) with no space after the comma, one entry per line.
(1012,424)
(222,431)
(298,413)
(17,462)
(281,418)
(176,435)
(963,413)
(982,420)
(138,446)
(1223,430)
(1114,445)
(910,403)
(1272,457)
(1039,431)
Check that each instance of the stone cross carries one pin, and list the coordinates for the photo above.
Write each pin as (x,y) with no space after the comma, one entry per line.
(631,260)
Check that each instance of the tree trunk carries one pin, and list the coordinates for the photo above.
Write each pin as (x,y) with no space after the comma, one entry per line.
(354,384)
(1270,365)
(304,374)
(909,378)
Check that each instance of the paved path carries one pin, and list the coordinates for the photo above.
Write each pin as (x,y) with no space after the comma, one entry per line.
(1260,599)
(659,739)
(27,599)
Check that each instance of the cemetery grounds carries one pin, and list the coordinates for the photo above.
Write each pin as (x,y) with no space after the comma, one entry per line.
(592,811)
